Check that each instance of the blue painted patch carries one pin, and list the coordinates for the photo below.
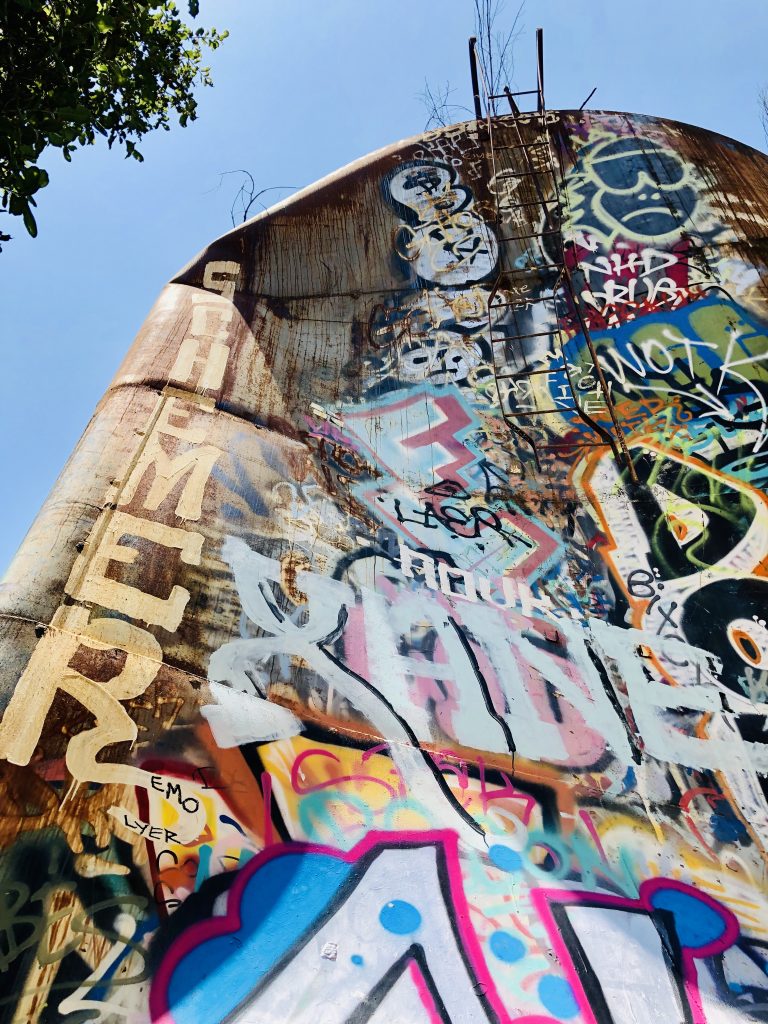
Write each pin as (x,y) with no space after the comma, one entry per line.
(726,827)
(203,865)
(357,960)
(102,992)
(557,997)
(506,947)
(696,923)
(235,479)
(504,858)
(719,333)
(279,903)
(399,917)
(226,820)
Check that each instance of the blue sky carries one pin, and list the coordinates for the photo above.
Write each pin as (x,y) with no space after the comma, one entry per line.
(302,88)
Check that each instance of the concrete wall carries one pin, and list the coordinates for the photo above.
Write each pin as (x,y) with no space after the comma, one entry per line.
(348,680)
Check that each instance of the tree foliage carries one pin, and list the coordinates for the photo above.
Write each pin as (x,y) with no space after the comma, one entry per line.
(74,70)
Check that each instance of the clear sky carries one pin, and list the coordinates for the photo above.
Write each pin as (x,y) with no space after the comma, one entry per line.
(302,88)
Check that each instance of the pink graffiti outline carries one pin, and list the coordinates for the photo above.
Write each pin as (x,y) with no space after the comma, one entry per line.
(455,418)
(542,900)
(336,780)
(160,1012)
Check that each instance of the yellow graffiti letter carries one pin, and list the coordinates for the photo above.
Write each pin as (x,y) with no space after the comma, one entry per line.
(97,587)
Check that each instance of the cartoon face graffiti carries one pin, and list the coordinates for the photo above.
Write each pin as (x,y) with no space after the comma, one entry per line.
(443,359)
(424,189)
(443,238)
(644,191)
(453,247)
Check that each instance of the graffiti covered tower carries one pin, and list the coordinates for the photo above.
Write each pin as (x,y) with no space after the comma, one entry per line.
(393,646)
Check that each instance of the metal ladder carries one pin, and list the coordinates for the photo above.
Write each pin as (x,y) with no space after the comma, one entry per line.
(518,371)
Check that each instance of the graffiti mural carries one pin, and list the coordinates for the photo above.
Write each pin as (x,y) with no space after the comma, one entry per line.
(394,646)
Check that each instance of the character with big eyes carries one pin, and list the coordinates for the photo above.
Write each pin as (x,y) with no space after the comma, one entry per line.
(644,191)
(442,358)
(457,248)
(444,240)
(425,189)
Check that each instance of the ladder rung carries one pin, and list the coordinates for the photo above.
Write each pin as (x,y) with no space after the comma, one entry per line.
(537,234)
(519,303)
(536,202)
(549,163)
(569,444)
(524,337)
(539,412)
(523,303)
(503,96)
(532,414)
(529,373)
(523,174)
(520,307)
(524,145)
(517,375)
(531,270)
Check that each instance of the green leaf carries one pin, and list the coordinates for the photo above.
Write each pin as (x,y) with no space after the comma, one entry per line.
(29,222)
(80,114)
(130,150)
